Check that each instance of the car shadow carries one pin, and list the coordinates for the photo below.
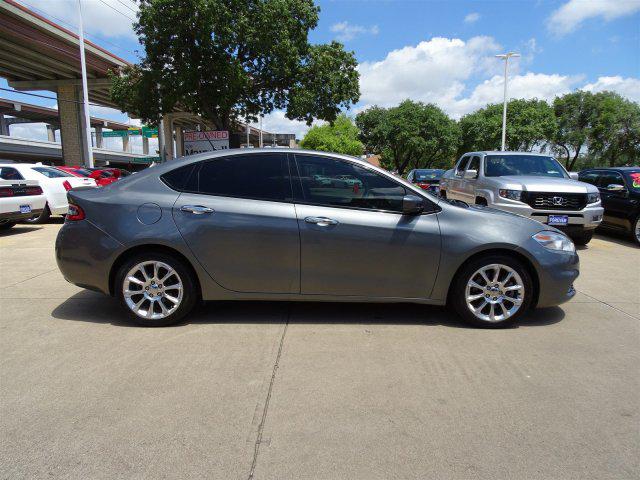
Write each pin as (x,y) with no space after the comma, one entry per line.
(91,307)
(619,238)
(17,230)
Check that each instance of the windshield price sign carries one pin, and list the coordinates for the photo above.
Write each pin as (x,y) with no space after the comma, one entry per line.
(199,142)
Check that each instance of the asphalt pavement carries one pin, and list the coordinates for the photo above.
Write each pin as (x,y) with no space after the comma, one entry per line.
(316,391)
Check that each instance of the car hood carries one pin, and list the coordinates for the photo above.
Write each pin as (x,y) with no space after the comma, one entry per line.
(543,184)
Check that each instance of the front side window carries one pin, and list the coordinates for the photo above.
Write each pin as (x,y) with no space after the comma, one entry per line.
(610,178)
(474,164)
(460,166)
(254,176)
(51,172)
(589,177)
(10,173)
(338,183)
(533,165)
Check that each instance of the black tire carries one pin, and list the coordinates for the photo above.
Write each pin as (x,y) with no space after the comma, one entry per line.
(6,226)
(457,294)
(443,194)
(635,236)
(582,238)
(42,218)
(190,290)
(481,201)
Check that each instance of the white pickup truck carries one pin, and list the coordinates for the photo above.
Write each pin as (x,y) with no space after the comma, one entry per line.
(530,184)
(19,200)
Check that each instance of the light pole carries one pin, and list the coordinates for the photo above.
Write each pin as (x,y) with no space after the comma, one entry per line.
(88,151)
(505,57)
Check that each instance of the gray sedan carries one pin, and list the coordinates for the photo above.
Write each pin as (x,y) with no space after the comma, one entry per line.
(257,225)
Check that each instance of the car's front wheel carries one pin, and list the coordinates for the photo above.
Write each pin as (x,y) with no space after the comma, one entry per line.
(156,289)
(492,291)
(635,230)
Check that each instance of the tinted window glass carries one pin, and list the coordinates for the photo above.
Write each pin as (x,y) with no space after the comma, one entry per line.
(51,172)
(258,176)
(609,178)
(337,183)
(177,178)
(431,174)
(536,165)
(460,166)
(589,177)
(474,164)
(9,173)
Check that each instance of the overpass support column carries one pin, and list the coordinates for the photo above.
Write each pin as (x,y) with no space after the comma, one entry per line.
(4,127)
(51,133)
(125,143)
(98,137)
(167,129)
(179,142)
(145,145)
(72,125)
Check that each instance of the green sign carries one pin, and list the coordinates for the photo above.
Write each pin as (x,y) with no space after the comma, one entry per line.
(150,132)
(115,133)
(132,132)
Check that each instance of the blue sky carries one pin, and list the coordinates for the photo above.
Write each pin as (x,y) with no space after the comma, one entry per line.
(440,51)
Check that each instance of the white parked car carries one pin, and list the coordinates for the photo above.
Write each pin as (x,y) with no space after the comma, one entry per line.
(19,200)
(54,183)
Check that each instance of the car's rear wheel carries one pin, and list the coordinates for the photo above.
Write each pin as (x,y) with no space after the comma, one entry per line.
(582,238)
(492,291)
(44,216)
(156,289)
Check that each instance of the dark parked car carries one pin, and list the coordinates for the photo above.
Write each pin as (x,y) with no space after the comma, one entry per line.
(426,178)
(201,228)
(620,193)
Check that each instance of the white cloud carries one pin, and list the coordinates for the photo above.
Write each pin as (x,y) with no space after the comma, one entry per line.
(276,122)
(627,87)
(572,14)
(109,19)
(346,31)
(472,17)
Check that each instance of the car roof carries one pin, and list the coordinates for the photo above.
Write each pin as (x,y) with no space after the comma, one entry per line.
(613,169)
(498,152)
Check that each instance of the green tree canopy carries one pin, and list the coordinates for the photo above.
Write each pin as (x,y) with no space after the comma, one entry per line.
(530,123)
(229,60)
(341,137)
(574,114)
(413,134)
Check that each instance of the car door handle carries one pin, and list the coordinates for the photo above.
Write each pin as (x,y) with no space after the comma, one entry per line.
(321,221)
(196,209)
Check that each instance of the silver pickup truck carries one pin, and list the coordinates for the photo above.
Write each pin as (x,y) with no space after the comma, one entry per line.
(529,184)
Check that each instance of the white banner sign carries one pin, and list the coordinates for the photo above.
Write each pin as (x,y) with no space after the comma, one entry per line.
(199,142)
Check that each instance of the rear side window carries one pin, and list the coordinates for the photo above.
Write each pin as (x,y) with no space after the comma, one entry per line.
(177,178)
(10,173)
(254,176)
(51,172)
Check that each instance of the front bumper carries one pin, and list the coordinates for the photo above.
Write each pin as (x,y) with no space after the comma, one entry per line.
(588,218)
(557,271)
(85,254)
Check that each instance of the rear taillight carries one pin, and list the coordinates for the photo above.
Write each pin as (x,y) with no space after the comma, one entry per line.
(66,185)
(33,191)
(423,185)
(75,213)
(6,192)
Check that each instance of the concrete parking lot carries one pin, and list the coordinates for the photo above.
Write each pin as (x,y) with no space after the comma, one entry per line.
(316,391)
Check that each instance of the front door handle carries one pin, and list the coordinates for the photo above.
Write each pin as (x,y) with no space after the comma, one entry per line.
(196,209)
(321,221)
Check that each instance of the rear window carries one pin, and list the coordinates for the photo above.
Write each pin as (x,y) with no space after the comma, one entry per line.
(10,173)
(51,172)
(422,175)
(177,178)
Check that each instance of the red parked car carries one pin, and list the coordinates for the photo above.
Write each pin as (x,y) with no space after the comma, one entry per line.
(102,176)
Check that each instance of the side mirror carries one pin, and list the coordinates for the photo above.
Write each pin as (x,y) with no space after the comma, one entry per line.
(573,175)
(412,205)
(470,174)
(614,187)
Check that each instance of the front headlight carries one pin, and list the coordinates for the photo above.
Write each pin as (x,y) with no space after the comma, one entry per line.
(511,194)
(554,241)
(593,197)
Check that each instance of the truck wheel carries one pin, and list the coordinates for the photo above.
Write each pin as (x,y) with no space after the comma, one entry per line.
(635,230)
(42,218)
(493,291)
(582,238)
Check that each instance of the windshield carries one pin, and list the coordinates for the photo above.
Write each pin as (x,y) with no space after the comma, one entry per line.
(422,175)
(536,165)
(51,172)
(634,179)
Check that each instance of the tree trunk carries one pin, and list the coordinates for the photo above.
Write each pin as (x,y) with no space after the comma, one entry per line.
(575,158)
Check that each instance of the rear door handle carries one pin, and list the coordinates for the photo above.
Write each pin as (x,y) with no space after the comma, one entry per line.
(196,209)
(321,221)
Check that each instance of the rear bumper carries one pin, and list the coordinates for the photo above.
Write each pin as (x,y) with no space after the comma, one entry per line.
(85,253)
(17,216)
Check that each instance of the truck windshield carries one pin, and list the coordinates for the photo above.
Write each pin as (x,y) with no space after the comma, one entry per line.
(536,165)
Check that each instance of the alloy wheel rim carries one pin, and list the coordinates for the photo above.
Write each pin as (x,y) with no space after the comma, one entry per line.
(494,293)
(152,290)
(638,229)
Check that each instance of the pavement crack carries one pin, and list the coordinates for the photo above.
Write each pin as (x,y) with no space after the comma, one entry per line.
(31,278)
(605,303)
(256,447)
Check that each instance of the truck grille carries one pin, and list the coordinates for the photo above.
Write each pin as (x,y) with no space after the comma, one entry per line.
(555,201)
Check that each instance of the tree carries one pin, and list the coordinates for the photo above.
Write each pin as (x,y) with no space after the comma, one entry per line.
(228,60)
(341,137)
(615,129)
(574,113)
(530,123)
(412,134)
